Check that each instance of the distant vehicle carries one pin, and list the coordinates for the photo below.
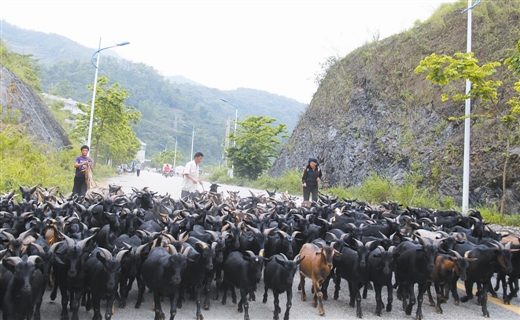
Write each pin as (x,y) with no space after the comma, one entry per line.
(179,170)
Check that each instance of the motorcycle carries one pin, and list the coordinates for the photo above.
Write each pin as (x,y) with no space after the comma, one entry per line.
(167,174)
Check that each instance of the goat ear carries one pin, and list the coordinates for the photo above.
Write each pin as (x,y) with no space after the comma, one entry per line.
(58,260)
(100,257)
(9,264)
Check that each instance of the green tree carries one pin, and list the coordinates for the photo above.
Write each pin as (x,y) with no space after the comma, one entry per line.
(255,145)
(464,66)
(112,128)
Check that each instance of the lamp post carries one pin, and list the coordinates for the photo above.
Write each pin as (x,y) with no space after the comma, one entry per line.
(236,117)
(95,84)
(234,133)
(175,154)
(192,138)
(467,120)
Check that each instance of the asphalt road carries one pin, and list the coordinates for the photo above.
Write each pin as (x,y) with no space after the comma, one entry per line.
(335,309)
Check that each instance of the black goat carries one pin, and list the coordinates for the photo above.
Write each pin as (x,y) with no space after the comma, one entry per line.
(352,265)
(243,272)
(194,275)
(102,278)
(278,276)
(21,288)
(381,267)
(414,264)
(162,272)
(482,269)
(69,273)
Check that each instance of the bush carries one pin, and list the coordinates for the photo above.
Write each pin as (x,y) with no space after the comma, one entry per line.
(24,164)
(290,181)
(492,215)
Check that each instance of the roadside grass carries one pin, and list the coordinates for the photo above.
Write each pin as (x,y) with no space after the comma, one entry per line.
(26,163)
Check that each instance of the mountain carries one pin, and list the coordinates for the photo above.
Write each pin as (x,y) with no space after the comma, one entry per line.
(373,114)
(181,80)
(165,103)
(48,48)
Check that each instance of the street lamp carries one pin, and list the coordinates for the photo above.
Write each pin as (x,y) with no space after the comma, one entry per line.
(192,138)
(95,84)
(236,117)
(467,120)
(175,154)
(234,134)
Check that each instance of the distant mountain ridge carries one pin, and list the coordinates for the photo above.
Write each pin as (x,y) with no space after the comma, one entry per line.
(48,48)
(165,102)
(181,80)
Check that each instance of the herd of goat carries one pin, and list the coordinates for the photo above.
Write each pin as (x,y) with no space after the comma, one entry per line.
(93,248)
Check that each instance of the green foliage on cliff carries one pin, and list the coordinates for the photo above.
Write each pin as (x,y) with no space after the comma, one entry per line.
(23,65)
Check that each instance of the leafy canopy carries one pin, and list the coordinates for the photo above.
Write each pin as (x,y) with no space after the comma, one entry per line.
(113,123)
(443,69)
(255,145)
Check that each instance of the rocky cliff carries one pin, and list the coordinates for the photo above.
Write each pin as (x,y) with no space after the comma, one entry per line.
(372,113)
(32,112)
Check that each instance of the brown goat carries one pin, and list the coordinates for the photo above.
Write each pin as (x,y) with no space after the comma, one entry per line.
(317,265)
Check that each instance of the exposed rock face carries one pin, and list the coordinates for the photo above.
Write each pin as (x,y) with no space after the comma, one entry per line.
(372,113)
(33,113)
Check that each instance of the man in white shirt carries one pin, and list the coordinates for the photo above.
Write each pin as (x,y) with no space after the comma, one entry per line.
(191,176)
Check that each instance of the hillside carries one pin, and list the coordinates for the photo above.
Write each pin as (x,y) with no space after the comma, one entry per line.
(21,99)
(372,113)
(165,102)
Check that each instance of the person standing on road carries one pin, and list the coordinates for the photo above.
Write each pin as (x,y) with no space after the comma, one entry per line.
(310,178)
(81,163)
(191,176)
(138,168)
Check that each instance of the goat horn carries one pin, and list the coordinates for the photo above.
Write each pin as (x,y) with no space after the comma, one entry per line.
(284,257)
(213,234)
(140,248)
(83,242)
(38,247)
(369,244)
(381,248)
(456,254)
(15,260)
(261,253)
(54,245)
(34,259)
(107,253)
(8,235)
(250,253)
(333,235)
(120,254)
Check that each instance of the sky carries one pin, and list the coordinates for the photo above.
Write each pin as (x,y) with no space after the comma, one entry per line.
(275,46)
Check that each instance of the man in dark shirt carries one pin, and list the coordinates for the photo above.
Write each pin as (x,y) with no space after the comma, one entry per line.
(81,163)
